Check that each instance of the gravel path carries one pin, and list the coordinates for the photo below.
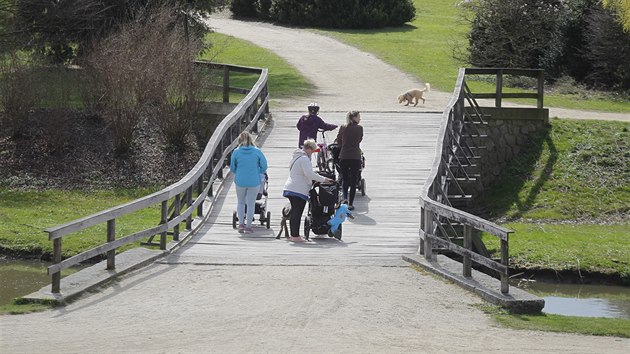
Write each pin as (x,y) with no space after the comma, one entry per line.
(188,308)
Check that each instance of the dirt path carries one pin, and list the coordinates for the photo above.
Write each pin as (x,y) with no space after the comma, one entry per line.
(346,78)
(193,308)
(280,309)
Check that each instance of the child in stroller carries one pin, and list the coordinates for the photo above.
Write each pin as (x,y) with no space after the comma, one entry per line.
(335,149)
(323,199)
(261,204)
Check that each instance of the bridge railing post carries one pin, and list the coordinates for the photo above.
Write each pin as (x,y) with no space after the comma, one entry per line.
(467,262)
(428,223)
(111,236)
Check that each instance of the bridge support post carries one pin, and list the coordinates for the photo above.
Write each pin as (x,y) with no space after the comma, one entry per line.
(467,245)
(56,277)
(189,203)
(422,231)
(505,260)
(111,236)
(199,194)
(176,209)
(164,220)
(428,230)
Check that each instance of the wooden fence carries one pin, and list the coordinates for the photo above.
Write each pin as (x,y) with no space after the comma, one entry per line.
(458,139)
(182,201)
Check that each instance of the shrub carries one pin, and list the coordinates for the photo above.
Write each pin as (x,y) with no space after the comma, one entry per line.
(607,51)
(329,13)
(515,33)
(147,65)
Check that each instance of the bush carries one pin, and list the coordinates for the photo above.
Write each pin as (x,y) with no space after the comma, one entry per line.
(329,13)
(577,38)
(515,33)
(147,65)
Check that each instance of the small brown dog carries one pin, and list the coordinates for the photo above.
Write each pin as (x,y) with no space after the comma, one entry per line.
(286,214)
(414,93)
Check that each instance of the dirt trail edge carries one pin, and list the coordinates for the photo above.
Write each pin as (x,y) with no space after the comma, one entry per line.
(347,78)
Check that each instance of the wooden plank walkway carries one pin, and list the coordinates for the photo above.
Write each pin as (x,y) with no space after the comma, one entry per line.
(399,150)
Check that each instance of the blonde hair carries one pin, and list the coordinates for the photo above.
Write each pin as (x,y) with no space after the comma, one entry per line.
(310,144)
(245,139)
(350,117)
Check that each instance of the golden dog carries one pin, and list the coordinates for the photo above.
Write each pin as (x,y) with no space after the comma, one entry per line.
(414,93)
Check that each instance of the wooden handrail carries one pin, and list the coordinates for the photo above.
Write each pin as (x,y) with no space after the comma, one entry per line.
(499,95)
(251,109)
(434,202)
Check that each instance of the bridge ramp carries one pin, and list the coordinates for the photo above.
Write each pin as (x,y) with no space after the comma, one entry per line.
(399,150)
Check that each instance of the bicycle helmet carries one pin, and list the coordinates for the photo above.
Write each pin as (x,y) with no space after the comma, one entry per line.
(313,108)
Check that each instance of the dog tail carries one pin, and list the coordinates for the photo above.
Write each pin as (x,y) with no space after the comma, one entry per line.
(427,87)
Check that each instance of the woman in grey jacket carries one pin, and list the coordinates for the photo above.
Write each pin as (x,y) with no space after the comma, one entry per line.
(297,186)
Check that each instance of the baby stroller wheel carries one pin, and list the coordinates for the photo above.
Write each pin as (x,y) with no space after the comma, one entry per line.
(362,186)
(268,219)
(307,227)
(234,220)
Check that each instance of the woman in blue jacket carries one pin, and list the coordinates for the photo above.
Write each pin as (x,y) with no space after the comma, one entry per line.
(247,164)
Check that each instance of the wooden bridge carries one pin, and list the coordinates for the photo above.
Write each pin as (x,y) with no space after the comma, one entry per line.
(418,167)
(399,149)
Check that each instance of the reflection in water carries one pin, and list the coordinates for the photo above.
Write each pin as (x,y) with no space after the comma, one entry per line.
(583,299)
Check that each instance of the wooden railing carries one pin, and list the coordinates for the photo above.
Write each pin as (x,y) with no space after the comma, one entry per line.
(178,203)
(459,134)
(499,95)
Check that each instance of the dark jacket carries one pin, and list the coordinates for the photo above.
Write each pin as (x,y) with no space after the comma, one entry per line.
(308,125)
(349,138)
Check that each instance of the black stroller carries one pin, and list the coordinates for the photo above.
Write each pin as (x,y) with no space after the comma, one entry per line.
(323,199)
(335,150)
(260,206)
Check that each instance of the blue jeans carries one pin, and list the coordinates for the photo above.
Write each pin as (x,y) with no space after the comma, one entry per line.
(246,196)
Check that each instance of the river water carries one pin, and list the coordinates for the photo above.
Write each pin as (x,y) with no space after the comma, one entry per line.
(21,277)
(584,300)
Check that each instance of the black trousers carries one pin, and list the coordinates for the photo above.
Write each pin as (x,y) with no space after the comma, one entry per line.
(349,174)
(297,208)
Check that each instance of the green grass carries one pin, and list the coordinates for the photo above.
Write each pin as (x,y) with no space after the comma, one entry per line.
(25,214)
(424,48)
(578,248)
(20,307)
(577,169)
(616,327)
(284,80)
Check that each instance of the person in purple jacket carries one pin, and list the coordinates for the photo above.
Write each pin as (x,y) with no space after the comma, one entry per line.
(309,123)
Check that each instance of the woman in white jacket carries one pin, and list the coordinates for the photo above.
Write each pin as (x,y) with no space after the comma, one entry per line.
(301,177)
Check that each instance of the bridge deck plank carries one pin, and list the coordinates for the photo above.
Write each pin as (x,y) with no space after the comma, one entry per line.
(399,150)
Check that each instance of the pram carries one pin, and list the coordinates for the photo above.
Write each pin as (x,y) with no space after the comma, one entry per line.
(323,199)
(335,150)
(260,206)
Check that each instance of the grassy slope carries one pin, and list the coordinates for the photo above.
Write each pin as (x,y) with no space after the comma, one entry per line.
(580,171)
